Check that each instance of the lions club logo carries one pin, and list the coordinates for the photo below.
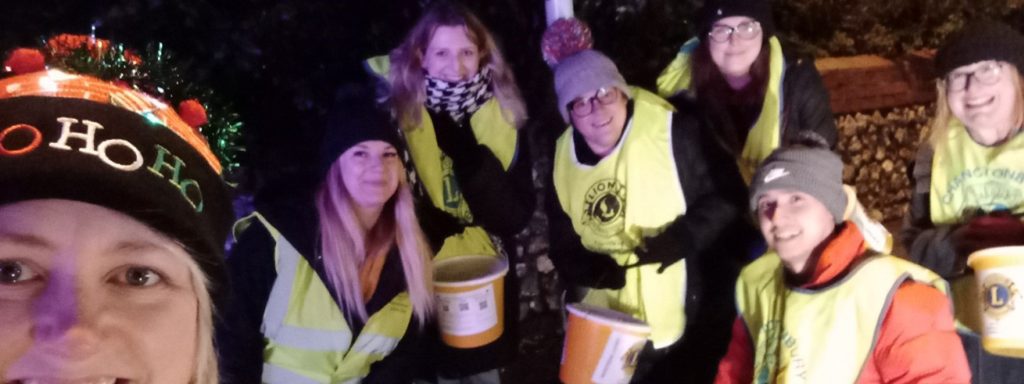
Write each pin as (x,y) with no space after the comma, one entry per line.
(999,295)
(605,206)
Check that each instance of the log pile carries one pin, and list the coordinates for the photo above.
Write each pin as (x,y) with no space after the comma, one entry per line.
(878,149)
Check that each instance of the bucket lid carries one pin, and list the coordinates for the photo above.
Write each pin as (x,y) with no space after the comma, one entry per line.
(1013,254)
(498,268)
(609,317)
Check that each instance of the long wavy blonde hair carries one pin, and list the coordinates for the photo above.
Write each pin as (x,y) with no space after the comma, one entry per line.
(407,78)
(344,244)
(940,125)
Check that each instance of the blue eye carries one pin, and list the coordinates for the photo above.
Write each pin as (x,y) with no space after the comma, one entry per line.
(15,272)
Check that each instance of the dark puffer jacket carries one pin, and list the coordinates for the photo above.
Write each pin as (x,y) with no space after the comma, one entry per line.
(805,103)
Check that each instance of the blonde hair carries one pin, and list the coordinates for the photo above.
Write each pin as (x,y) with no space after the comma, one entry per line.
(206,371)
(407,80)
(940,125)
(344,245)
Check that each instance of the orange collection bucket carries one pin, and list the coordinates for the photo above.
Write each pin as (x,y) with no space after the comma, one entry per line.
(1000,273)
(601,345)
(470,305)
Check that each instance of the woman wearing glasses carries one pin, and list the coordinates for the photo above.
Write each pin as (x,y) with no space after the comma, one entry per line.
(633,214)
(737,71)
(969,176)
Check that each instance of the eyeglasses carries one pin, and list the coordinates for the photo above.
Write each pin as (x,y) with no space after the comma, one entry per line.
(581,107)
(746,30)
(987,73)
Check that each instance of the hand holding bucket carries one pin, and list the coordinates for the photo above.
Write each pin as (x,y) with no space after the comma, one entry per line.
(1000,275)
(601,345)
(470,306)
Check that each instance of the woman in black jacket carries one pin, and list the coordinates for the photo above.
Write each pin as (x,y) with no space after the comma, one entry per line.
(333,286)
(758,97)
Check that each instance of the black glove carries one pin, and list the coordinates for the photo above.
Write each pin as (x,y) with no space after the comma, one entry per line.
(455,139)
(437,225)
(666,248)
(582,267)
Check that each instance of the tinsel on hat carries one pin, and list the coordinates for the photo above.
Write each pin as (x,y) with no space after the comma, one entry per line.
(153,71)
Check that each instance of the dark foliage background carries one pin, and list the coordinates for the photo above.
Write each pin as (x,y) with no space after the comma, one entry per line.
(282,61)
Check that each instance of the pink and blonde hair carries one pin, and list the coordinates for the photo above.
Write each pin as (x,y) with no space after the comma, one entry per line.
(344,244)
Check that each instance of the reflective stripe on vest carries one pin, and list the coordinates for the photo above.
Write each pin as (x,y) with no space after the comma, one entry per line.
(633,192)
(766,133)
(824,335)
(307,335)
(435,170)
(967,176)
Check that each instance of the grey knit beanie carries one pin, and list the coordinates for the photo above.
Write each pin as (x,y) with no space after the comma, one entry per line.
(583,72)
(814,171)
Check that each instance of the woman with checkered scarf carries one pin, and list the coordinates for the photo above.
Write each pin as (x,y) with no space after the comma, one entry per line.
(460,112)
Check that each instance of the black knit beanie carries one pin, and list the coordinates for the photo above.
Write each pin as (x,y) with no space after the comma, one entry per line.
(72,137)
(714,10)
(980,41)
(353,120)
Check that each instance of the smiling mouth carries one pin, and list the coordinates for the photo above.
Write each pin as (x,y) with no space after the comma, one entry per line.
(92,380)
(980,103)
(786,236)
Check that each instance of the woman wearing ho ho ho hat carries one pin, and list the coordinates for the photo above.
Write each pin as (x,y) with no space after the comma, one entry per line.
(756,94)
(969,175)
(334,287)
(113,215)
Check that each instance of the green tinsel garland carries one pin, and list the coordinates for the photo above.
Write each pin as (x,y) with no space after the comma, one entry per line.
(155,73)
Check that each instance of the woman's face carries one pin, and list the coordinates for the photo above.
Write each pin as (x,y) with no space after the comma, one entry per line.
(737,53)
(90,295)
(370,171)
(600,116)
(451,56)
(984,97)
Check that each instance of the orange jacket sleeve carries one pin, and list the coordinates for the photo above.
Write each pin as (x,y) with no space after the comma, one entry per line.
(918,342)
(738,364)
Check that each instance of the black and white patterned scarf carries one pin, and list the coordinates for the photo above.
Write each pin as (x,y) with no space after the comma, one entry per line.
(459,99)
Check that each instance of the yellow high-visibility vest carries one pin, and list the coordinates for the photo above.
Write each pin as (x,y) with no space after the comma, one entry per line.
(308,339)
(765,135)
(631,193)
(435,170)
(967,176)
(823,335)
